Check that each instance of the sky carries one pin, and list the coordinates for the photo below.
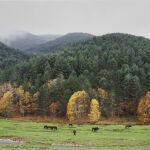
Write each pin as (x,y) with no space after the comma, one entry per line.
(97,17)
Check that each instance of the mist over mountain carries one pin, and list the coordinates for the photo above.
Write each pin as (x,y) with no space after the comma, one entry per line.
(60,42)
(24,40)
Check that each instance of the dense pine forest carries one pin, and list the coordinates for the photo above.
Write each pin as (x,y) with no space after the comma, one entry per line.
(10,56)
(114,69)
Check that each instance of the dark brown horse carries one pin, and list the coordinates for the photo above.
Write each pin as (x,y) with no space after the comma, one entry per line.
(95,129)
(128,126)
(50,127)
(70,124)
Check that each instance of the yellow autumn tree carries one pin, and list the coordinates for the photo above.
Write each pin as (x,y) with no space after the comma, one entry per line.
(6,104)
(34,102)
(94,114)
(30,103)
(20,93)
(78,106)
(5,88)
(143,110)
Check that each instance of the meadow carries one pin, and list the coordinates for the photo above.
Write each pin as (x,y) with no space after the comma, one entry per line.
(108,137)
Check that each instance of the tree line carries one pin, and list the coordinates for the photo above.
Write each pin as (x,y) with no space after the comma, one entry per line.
(117,64)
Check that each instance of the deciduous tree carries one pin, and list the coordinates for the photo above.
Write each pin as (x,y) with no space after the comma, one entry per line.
(78,106)
(54,108)
(27,103)
(94,114)
(6,104)
(144,108)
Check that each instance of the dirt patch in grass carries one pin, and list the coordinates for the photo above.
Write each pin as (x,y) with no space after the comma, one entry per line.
(71,143)
(11,140)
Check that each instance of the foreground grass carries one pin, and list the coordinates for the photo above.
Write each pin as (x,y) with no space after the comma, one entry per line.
(110,137)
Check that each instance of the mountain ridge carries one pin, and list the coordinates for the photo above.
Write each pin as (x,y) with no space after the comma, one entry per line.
(23,40)
(60,42)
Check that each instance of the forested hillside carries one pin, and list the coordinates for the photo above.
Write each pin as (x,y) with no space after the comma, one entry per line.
(114,69)
(10,56)
(58,43)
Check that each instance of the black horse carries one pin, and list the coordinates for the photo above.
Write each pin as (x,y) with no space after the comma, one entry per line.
(50,127)
(74,132)
(128,126)
(95,129)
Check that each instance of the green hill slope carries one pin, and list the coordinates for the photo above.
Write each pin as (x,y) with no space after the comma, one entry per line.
(118,63)
(10,56)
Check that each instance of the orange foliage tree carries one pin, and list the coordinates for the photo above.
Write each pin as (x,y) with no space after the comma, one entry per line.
(103,94)
(30,103)
(6,104)
(105,102)
(6,87)
(21,97)
(54,108)
(94,114)
(78,106)
(143,110)
(126,108)
(27,103)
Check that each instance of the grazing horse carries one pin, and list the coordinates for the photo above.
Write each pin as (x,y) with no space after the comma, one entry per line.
(50,127)
(95,129)
(70,124)
(128,125)
(74,132)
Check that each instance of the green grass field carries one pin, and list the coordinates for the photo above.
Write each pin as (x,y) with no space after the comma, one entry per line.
(109,137)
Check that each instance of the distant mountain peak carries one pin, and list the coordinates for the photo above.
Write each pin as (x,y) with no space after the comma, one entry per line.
(60,42)
(24,40)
